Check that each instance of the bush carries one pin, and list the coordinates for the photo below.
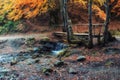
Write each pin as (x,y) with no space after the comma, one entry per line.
(8,26)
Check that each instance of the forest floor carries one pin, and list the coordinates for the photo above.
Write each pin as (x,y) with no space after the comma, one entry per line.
(28,57)
(33,56)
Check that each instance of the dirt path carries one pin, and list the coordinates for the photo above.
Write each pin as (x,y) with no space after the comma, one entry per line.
(14,43)
(15,36)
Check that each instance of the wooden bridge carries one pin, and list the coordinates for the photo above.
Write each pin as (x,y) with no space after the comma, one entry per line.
(98,34)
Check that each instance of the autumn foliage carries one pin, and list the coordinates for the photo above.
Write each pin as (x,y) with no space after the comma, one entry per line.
(16,9)
(116,8)
(97,7)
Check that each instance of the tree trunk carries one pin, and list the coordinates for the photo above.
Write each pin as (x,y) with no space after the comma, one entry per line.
(109,7)
(107,22)
(64,14)
(69,33)
(90,42)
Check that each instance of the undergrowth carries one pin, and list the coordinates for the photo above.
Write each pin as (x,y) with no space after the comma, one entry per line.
(7,26)
(115,32)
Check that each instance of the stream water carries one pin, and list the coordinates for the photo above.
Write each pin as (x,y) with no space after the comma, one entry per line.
(59,47)
(52,47)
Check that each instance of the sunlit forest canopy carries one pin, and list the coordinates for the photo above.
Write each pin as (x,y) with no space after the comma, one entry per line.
(19,9)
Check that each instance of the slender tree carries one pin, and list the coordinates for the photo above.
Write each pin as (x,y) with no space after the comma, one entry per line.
(90,43)
(108,6)
(64,14)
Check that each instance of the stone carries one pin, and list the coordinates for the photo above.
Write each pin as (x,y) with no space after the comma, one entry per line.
(3,70)
(81,58)
(30,41)
(38,67)
(17,43)
(58,63)
(31,61)
(112,51)
(35,49)
(60,53)
(35,77)
(35,55)
(47,71)
(75,51)
(109,63)
(44,40)
(72,71)
(37,60)
(13,62)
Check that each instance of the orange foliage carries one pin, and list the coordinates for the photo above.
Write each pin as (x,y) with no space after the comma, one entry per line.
(96,7)
(98,12)
(116,8)
(25,8)
(17,9)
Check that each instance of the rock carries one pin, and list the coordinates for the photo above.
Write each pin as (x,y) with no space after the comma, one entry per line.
(60,53)
(72,71)
(81,58)
(22,58)
(75,51)
(3,70)
(30,41)
(112,51)
(58,63)
(17,43)
(50,45)
(47,71)
(31,61)
(35,55)
(37,60)
(35,77)
(109,63)
(13,62)
(2,44)
(96,64)
(3,41)
(37,49)
(44,40)
(38,67)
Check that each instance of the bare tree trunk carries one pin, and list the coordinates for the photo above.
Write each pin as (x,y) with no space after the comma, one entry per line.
(64,14)
(107,22)
(69,33)
(109,7)
(67,23)
(108,16)
(90,43)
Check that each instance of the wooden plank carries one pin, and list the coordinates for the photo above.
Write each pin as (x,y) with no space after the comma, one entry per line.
(75,34)
(96,25)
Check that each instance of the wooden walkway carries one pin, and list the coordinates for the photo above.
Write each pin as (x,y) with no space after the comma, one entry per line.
(77,34)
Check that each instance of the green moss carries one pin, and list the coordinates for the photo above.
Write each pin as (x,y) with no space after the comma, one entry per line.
(30,41)
(115,32)
(109,63)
